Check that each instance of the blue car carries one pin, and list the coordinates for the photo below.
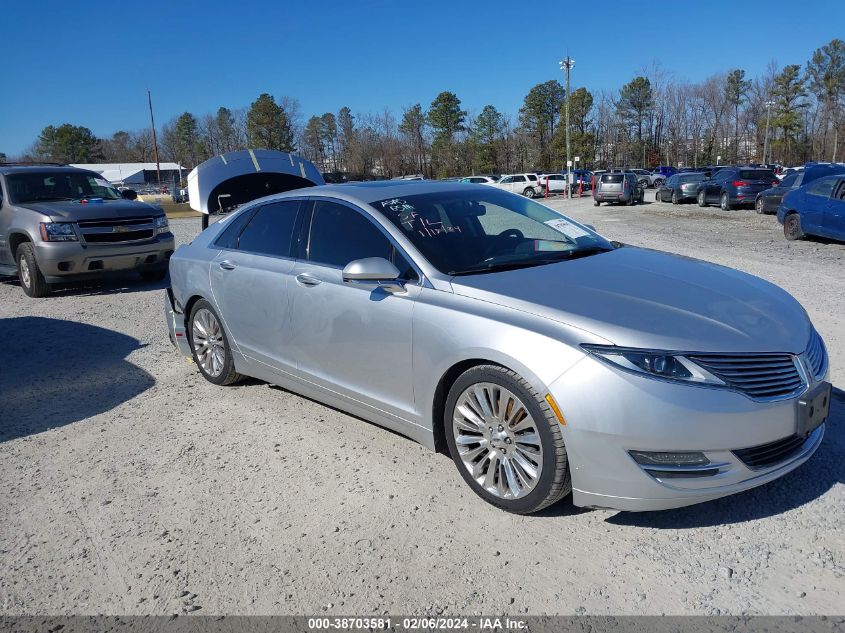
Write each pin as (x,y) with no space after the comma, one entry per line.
(815,209)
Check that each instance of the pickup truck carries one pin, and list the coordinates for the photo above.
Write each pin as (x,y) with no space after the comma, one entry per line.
(63,224)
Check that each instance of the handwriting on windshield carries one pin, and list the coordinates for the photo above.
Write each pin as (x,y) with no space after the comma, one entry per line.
(413,221)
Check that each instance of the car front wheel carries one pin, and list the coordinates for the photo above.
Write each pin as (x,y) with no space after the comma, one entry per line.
(758,205)
(702,200)
(29,274)
(792,227)
(506,441)
(529,192)
(210,346)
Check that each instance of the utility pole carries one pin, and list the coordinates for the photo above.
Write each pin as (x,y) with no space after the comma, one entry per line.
(566,65)
(769,105)
(155,141)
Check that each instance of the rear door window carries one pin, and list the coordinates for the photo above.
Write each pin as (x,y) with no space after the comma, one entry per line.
(229,237)
(270,230)
(822,187)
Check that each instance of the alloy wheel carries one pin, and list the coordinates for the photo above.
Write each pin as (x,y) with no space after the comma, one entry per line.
(207,341)
(25,275)
(498,440)
(724,205)
(759,205)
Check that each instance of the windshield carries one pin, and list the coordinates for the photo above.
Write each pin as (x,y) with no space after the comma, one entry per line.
(58,185)
(468,232)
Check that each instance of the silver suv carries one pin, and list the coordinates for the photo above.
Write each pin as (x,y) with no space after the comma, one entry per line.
(618,186)
(61,224)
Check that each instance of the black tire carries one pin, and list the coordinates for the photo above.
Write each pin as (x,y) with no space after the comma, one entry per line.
(529,192)
(596,203)
(725,202)
(792,227)
(702,199)
(228,375)
(658,182)
(758,205)
(32,280)
(554,480)
(675,198)
(657,197)
(153,275)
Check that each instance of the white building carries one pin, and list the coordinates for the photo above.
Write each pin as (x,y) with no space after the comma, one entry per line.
(138,173)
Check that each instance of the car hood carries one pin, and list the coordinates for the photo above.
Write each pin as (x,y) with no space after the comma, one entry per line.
(641,298)
(68,211)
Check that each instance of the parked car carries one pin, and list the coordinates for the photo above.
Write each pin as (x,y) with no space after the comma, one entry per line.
(556,183)
(526,184)
(484,324)
(665,171)
(679,188)
(734,186)
(618,186)
(647,178)
(769,200)
(479,180)
(582,177)
(61,224)
(817,208)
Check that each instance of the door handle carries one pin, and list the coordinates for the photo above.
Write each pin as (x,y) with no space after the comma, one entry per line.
(308,280)
(227,265)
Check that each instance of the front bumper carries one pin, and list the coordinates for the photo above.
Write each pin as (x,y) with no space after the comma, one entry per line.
(610,412)
(72,261)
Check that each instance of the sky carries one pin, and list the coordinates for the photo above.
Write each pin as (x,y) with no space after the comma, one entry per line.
(91,62)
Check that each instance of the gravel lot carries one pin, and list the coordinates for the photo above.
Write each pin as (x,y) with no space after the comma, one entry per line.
(132,486)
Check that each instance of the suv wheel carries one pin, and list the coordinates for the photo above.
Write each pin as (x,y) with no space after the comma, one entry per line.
(792,227)
(702,200)
(529,192)
(32,281)
(505,440)
(725,203)
(758,204)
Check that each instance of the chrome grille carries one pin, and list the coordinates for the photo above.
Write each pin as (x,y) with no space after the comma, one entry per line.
(761,376)
(817,355)
(117,230)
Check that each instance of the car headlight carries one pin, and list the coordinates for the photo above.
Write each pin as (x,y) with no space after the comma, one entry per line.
(162,225)
(655,363)
(58,232)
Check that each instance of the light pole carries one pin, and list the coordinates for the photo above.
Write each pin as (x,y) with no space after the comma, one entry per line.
(769,105)
(566,65)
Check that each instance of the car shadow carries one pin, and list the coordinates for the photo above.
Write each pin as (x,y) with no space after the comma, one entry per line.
(98,287)
(809,481)
(55,372)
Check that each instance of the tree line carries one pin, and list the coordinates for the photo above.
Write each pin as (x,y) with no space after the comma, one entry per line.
(654,119)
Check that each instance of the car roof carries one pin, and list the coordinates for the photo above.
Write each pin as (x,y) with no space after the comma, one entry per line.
(368,192)
(29,169)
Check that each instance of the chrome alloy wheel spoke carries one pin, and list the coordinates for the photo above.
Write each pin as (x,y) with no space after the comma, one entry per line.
(498,440)
(207,337)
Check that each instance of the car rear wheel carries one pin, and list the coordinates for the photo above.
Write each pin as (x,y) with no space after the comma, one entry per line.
(702,199)
(658,182)
(758,205)
(210,347)
(596,203)
(725,202)
(792,227)
(505,440)
(529,192)
(32,280)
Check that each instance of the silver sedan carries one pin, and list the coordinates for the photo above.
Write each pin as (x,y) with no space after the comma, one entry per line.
(542,357)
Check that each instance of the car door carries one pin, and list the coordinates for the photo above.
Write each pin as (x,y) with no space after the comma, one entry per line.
(714,187)
(251,280)
(834,213)
(353,338)
(506,183)
(817,196)
(667,188)
(5,223)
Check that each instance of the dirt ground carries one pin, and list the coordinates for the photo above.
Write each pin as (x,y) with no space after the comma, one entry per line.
(132,486)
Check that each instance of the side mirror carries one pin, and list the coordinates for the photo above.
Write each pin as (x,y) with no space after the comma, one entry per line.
(374,270)
(129,194)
